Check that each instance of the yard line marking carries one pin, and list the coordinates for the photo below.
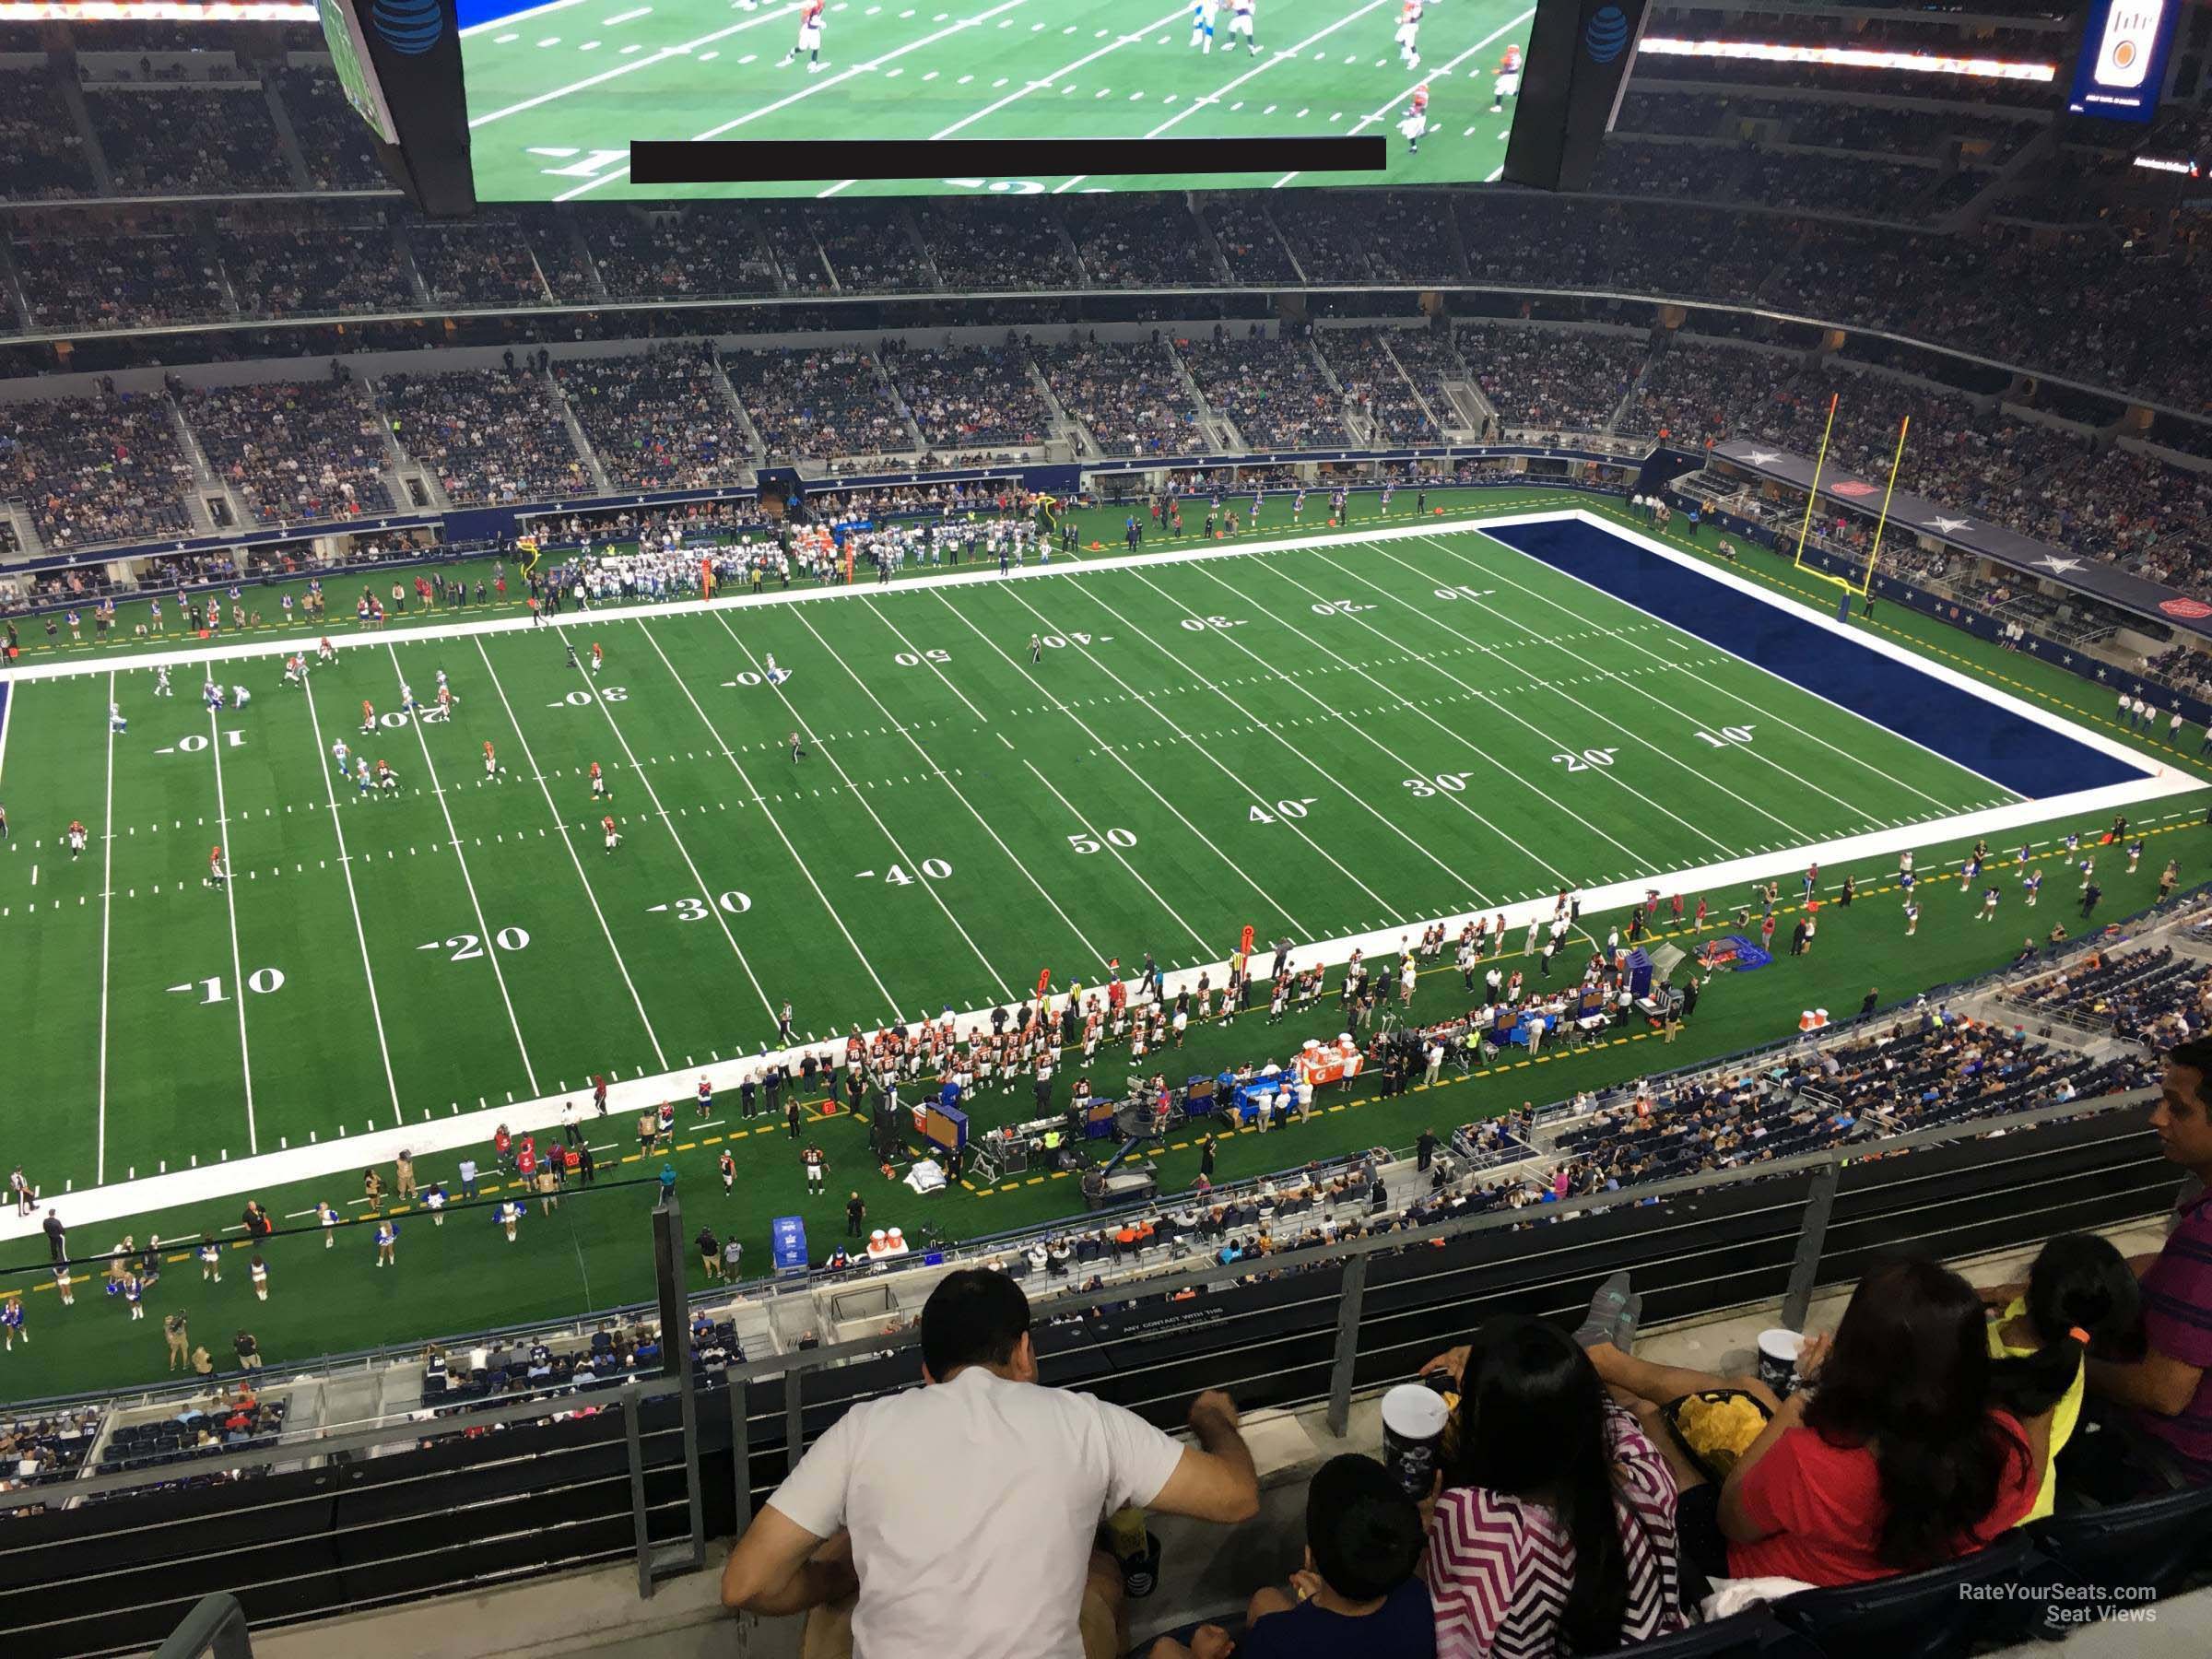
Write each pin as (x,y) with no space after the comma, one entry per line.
(1097,954)
(569,841)
(1630,685)
(1281,55)
(1944,808)
(376,1013)
(706,893)
(1106,843)
(107,908)
(1109,750)
(806,91)
(921,656)
(1256,799)
(238,973)
(1114,44)
(1458,877)
(804,870)
(483,927)
(808,730)
(682,49)
(1556,690)
(1457,737)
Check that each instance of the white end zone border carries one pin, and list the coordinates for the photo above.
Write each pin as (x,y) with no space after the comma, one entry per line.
(2089,809)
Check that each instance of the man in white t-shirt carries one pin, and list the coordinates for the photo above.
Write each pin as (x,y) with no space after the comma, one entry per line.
(965,1513)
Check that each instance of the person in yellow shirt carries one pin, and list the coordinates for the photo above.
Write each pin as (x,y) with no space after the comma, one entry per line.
(2079,1295)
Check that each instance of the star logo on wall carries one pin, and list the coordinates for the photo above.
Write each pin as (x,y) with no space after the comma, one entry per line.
(1762,457)
(2052,562)
(1949,527)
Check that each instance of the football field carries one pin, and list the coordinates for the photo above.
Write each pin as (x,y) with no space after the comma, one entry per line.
(556,93)
(1000,780)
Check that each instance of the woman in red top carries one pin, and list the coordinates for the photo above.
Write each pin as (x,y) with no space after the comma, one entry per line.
(1890,1461)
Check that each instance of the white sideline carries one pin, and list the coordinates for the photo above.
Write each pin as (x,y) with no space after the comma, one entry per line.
(626,1098)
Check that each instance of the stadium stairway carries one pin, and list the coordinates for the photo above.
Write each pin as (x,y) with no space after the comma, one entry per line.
(1206,1572)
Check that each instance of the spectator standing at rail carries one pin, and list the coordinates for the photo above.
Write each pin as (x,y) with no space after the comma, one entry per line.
(961,1514)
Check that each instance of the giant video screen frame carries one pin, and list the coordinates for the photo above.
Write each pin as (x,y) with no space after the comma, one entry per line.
(557,91)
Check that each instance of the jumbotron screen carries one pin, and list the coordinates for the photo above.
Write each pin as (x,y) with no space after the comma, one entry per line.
(557,92)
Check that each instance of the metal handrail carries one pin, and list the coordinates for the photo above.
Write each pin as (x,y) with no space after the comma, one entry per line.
(216,1624)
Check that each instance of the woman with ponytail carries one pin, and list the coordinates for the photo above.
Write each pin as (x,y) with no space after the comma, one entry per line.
(1555,1528)
(2080,1297)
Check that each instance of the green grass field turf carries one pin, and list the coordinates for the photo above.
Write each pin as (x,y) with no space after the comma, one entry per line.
(557,92)
(175,1070)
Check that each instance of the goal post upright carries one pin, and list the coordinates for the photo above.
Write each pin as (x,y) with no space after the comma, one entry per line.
(1805,529)
(1874,552)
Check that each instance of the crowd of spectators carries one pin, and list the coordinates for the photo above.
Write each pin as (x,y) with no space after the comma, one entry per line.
(483,262)
(229,1421)
(75,279)
(985,243)
(657,420)
(333,139)
(330,261)
(697,254)
(297,452)
(961,398)
(41,158)
(830,401)
(1250,244)
(2155,997)
(38,1451)
(1921,1073)
(1138,242)
(1712,173)
(1552,379)
(1370,237)
(1375,385)
(1270,386)
(1127,393)
(204,139)
(95,470)
(866,243)
(489,435)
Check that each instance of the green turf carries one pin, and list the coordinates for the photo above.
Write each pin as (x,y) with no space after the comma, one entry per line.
(175,1082)
(555,97)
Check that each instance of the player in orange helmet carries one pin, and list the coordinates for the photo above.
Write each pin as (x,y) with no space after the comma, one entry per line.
(1409,33)
(599,792)
(1415,122)
(614,836)
(810,38)
(217,874)
(1507,83)
(367,716)
(491,761)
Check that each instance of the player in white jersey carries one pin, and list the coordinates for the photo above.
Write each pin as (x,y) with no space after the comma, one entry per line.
(116,723)
(76,838)
(362,779)
(212,695)
(161,681)
(239,697)
(1201,23)
(342,755)
(1415,122)
(1507,84)
(1409,33)
(775,676)
(1240,23)
(810,37)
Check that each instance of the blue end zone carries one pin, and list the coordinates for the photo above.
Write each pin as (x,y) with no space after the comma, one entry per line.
(2008,749)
